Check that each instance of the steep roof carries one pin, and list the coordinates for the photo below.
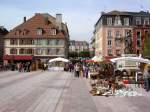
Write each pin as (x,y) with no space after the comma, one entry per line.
(115,12)
(39,20)
(122,13)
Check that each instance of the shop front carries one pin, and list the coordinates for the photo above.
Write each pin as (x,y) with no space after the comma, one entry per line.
(13,60)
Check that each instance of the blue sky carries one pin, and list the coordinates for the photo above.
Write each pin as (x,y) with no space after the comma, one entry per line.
(80,15)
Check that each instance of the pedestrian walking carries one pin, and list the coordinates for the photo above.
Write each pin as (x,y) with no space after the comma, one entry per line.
(77,70)
(45,66)
(147,78)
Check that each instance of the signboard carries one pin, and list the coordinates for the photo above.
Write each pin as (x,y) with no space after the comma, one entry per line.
(121,65)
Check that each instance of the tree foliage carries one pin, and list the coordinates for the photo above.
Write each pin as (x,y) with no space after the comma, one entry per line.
(73,54)
(84,54)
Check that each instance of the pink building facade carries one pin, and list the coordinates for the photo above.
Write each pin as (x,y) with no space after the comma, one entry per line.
(114,32)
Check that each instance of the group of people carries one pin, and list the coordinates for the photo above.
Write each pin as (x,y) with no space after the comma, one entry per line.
(4,67)
(23,67)
(80,70)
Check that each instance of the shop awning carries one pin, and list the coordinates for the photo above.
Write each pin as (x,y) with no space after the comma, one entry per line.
(15,57)
(135,59)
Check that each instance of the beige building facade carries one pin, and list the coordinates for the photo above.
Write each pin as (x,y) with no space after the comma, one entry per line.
(37,39)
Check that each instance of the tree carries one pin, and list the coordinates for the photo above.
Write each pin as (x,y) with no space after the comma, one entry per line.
(84,54)
(146,50)
(73,54)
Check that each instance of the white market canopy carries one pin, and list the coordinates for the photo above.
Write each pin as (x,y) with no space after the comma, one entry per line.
(97,58)
(58,59)
(135,59)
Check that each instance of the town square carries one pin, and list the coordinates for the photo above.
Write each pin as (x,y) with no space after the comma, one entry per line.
(75,56)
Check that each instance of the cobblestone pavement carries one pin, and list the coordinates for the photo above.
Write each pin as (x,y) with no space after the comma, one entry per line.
(31,92)
(43,92)
(60,92)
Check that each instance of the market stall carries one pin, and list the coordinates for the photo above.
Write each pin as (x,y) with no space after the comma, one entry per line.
(58,64)
(119,83)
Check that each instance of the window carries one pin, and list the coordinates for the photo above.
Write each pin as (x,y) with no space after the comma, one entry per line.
(13,51)
(13,41)
(29,51)
(49,51)
(118,34)
(21,42)
(57,51)
(109,52)
(109,21)
(61,42)
(139,39)
(109,42)
(138,35)
(50,42)
(138,20)
(22,51)
(39,31)
(109,33)
(39,51)
(53,51)
(53,31)
(56,42)
(38,42)
(126,21)
(146,21)
(126,33)
(117,20)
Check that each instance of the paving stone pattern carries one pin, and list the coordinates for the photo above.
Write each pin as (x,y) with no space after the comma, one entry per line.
(51,91)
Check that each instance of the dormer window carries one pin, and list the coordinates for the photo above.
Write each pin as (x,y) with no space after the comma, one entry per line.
(39,31)
(17,32)
(146,21)
(117,21)
(138,20)
(109,21)
(126,21)
(25,31)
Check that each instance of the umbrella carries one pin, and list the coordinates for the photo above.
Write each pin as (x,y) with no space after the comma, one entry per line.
(136,59)
(59,59)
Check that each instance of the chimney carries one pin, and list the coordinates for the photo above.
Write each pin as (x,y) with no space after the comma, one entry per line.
(1,27)
(24,19)
(59,20)
(102,13)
